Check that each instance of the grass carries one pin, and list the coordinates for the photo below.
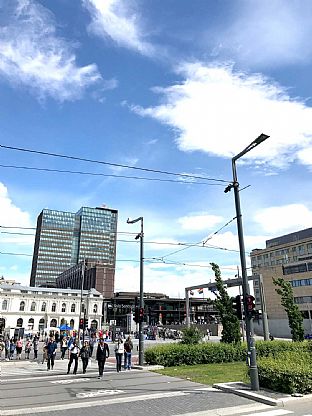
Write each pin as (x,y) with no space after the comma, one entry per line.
(209,373)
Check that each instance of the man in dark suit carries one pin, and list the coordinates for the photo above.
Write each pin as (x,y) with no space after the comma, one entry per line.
(102,353)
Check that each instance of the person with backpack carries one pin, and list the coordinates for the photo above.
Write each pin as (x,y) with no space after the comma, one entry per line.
(51,353)
(12,348)
(128,347)
(84,354)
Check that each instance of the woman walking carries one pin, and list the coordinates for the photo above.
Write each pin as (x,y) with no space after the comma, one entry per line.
(12,348)
(19,348)
(128,346)
(119,351)
(64,346)
(84,354)
(27,349)
(36,347)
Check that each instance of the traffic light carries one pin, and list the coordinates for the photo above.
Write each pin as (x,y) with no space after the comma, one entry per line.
(136,314)
(141,314)
(250,301)
(86,323)
(237,307)
(81,323)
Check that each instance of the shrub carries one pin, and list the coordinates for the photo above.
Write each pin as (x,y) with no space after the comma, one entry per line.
(191,335)
(181,354)
(274,348)
(287,372)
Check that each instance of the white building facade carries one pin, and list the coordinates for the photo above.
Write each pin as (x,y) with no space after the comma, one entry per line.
(38,309)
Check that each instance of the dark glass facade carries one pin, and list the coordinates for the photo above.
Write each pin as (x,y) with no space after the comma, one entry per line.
(64,239)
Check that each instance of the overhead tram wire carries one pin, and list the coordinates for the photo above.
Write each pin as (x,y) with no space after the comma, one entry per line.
(203,242)
(108,175)
(81,159)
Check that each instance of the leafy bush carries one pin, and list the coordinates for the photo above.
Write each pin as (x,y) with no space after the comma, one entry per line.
(170,355)
(191,335)
(181,354)
(287,372)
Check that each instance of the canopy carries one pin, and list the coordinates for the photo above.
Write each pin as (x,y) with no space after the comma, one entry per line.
(65,327)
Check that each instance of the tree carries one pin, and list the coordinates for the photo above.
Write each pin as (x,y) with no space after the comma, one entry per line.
(223,303)
(295,318)
(191,335)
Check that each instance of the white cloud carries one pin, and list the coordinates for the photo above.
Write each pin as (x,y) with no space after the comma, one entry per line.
(266,33)
(200,222)
(220,111)
(284,219)
(114,19)
(12,216)
(32,55)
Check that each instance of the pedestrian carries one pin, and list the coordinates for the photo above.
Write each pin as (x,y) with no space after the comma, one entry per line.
(73,356)
(102,353)
(19,348)
(91,344)
(7,349)
(64,346)
(44,353)
(128,347)
(28,346)
(84,354)
(12,348)
(36,347)
(2,347)
(119,351)
(51,353)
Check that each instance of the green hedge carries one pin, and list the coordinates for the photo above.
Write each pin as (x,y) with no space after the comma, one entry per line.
(287,372)
(170,355)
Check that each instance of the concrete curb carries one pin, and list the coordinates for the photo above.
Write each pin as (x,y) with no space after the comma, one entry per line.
(247,394)
(260,397)
(148,367)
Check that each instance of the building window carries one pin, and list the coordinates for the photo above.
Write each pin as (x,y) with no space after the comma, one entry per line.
(63,307)
(22,306)
(19,323)
(95,308)
(53,323)
(31,323)
(33,306)
(72,323)
(4,305)
(43,307)
(53,309)
(73,308)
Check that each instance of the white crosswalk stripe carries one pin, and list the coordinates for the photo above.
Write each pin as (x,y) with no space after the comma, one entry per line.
(275,412)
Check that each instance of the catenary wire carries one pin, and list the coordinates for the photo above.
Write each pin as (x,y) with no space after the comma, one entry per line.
(107,175)
(40,152)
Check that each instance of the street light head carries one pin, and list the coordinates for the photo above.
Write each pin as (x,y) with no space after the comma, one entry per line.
(261,138)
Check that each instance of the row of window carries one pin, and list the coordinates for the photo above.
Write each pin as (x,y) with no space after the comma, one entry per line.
(298,268)
(303,299)
(33,307)
(301,282)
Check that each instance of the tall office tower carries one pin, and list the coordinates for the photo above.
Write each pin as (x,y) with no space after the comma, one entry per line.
(64,239)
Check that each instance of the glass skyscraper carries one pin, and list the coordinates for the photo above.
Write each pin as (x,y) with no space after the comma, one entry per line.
(64,239)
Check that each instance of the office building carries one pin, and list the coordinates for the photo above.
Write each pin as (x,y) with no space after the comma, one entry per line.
(289,257)
(65,239)
(94,275)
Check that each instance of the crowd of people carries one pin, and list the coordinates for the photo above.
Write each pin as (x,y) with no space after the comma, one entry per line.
(70,349)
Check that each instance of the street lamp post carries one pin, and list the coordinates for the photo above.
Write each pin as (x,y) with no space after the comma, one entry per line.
(254,378)
(141,305)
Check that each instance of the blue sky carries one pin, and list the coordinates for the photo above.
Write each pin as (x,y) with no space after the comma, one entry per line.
(174,86)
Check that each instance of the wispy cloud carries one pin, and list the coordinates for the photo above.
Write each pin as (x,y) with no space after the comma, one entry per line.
(200,222)
(284,219)
(220,111)
(265,33)
(32,55)
(116,20)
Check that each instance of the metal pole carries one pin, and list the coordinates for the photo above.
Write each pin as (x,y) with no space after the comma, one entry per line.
(187,308)
(254,378)
(141,334)
(81,295)
(265,324)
